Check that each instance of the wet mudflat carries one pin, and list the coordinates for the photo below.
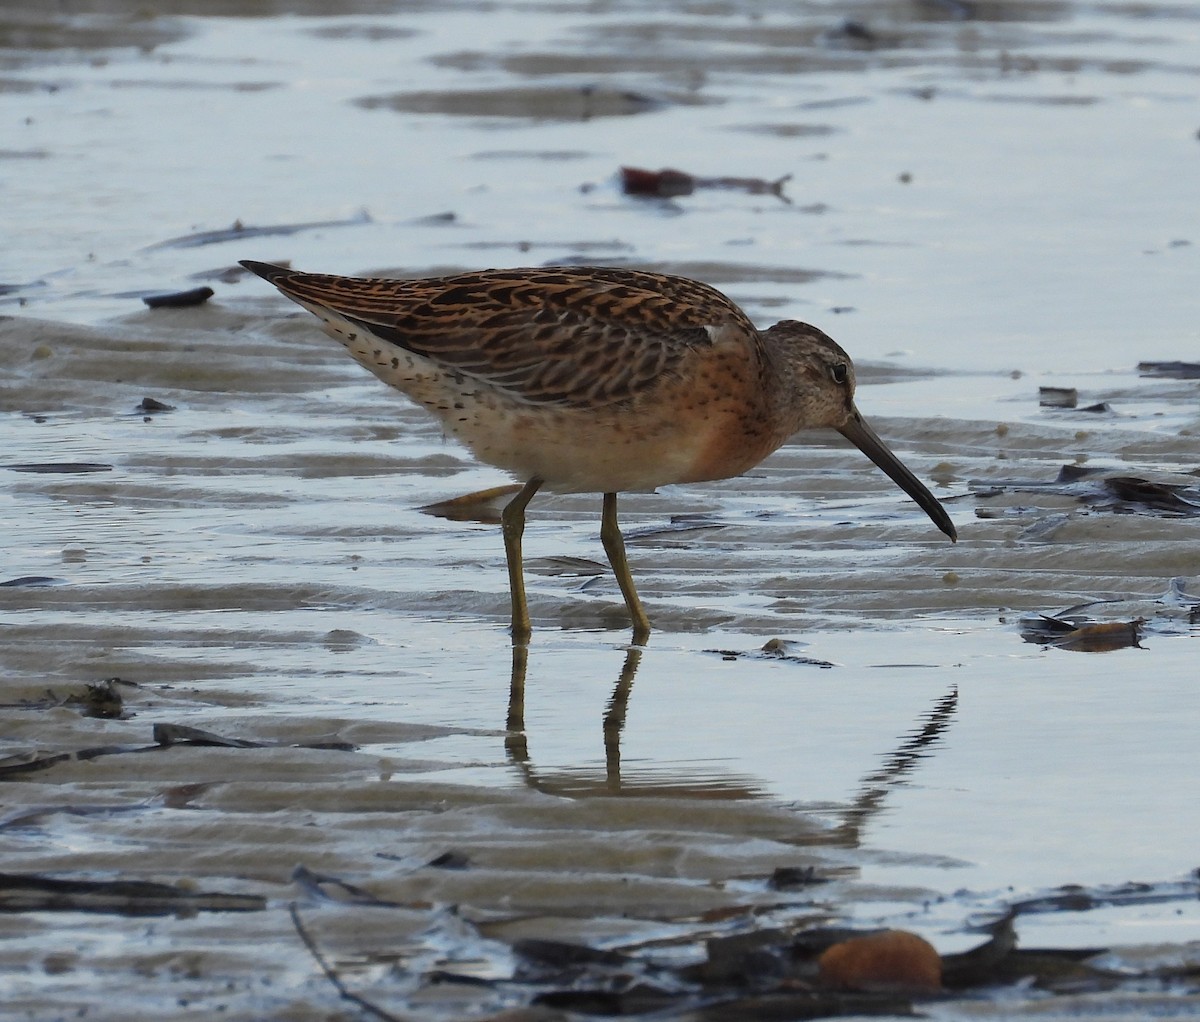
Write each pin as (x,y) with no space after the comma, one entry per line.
(240,661)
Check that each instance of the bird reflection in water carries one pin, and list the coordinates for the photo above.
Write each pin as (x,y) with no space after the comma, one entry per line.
(516,744)
(870,798)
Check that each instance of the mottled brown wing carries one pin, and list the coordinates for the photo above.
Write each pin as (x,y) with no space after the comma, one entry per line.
(581,337)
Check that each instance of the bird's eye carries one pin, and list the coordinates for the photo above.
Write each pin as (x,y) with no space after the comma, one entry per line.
(838,372)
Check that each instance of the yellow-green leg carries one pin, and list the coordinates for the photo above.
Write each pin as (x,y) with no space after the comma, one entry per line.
(614,546)
(512,521)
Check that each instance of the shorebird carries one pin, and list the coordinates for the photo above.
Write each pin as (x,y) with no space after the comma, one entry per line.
(595,380)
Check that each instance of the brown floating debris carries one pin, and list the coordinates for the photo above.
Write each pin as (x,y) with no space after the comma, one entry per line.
(1077,634)
(1115,622)
(1102,638)
(179,299)
(665,183)
(891,960)
(669,183)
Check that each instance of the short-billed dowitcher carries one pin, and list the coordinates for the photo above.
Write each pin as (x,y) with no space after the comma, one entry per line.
(595,380)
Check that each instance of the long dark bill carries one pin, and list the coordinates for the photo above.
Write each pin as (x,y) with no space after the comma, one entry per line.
(867,440)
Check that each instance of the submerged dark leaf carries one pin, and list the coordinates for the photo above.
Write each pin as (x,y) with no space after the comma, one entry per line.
(32,892)
(1171,370)
(561,953)
(179,299)
(151,405)
(60,468)
(32,580)
(638,999)
(181,734)
(450,860)
(1058,397)
(793,878)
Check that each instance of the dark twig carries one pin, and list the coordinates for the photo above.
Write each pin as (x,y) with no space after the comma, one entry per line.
(343,991)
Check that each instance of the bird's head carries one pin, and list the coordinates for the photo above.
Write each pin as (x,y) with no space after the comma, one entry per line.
(823,394)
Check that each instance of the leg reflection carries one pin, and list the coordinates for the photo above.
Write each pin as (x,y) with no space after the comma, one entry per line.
(876,787)
(514,739)
(516,744)
(614,719)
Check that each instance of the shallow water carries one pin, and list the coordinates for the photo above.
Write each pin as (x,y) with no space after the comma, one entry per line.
(255,561)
